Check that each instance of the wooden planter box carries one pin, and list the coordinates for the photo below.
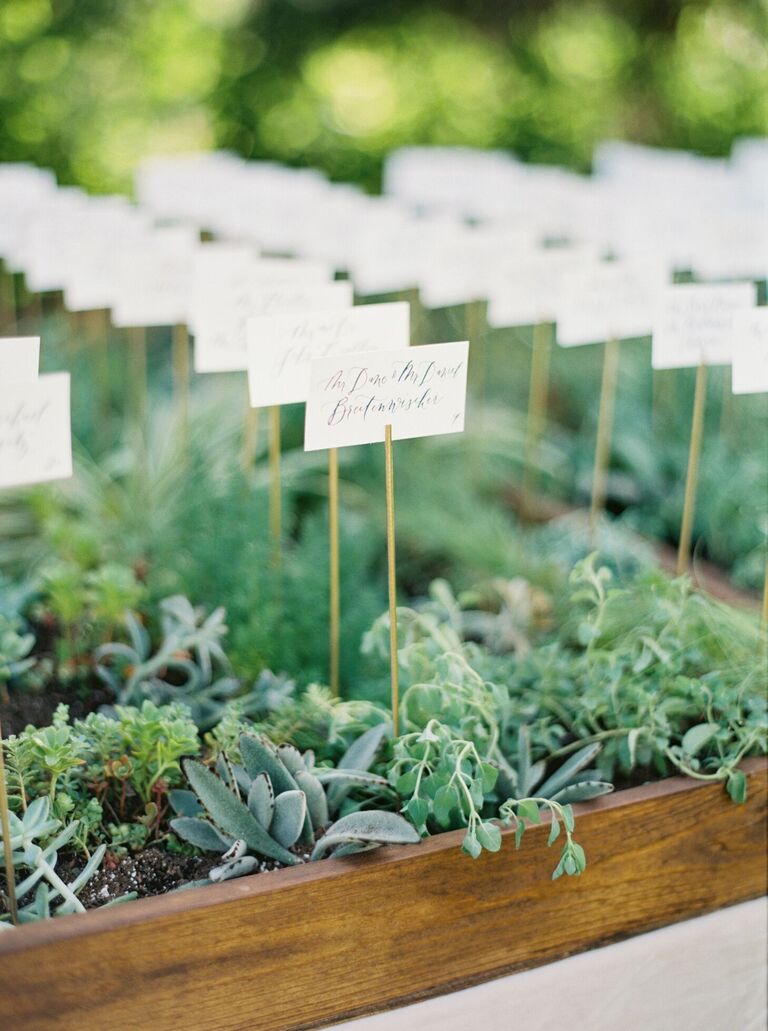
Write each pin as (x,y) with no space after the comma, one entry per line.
(304,947)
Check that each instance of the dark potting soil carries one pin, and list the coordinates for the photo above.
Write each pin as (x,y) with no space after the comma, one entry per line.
(37,708)
(151,872)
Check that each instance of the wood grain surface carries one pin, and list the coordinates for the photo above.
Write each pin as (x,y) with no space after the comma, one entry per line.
(302,947)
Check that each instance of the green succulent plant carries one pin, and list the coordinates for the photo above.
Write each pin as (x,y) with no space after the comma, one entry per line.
(15,647)
(183,667)
(278,799)
(36,838)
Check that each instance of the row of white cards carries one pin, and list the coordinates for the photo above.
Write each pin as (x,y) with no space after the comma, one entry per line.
(93,247)
(35,434)
(104,253)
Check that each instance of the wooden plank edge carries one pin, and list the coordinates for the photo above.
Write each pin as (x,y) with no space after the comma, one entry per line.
(159,907)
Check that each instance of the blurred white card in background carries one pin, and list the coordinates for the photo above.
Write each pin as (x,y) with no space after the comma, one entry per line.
(749,372)
(35,433)
(419,391)
(19,360)
(281,347)
(529,290)
(220,334)
(608,301)
(694,323)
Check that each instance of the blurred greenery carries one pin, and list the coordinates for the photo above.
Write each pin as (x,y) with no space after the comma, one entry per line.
(87,88)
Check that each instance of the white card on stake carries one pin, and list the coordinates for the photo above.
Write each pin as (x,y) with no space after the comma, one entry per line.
(419,391)
(749,373)
(220,337)
(19,359)
(608,301)
(281,347)
(694,323)
(35,434)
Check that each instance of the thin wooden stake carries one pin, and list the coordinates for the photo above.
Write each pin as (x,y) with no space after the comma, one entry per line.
(765,600)
(726,409)
(181,377)
(537,407)
(5,823)
(333,546)
(137,346)
(417,315)
(275,486)
(394,675)
(692,476)
(604,433)
(250,437)
(475,311)
(8,317)
(97,323)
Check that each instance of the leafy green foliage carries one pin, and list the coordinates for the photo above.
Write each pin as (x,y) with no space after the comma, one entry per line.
(449,785)
(183,666)
(104,771)
(15,647)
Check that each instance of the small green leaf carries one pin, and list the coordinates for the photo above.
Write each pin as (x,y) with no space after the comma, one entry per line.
(444,803)
(695,738)
(489,776)
(579,857)
(528,810)
(417,811)
(554,831)
(471,845)
(489,836)
(737,786)
(568,819)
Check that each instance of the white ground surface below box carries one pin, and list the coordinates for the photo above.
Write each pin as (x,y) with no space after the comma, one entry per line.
(704,973)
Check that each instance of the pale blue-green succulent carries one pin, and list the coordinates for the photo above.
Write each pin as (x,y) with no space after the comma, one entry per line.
(36,826)
(278,805)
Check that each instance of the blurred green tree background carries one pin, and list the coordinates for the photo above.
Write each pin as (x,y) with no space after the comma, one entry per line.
(87,87)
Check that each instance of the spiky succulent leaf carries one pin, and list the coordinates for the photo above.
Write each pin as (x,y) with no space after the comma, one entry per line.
(184,803)
(230,814)
(291,758)
(261,799)
(568,770)
(373,827)
(582,791)
(289,816)
(234,868)
(200,833)
(259,756)
(349,778)
(359,756)
(317,803)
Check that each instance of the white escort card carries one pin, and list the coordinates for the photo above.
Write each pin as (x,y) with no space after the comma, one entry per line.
(749,373)
(608,301)
(19,359)
(529,290)
(695,323)
(281,347)
(35,434)
(419,391)
(220,336)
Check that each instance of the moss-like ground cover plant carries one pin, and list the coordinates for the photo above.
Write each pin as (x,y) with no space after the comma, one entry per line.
(205,776)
